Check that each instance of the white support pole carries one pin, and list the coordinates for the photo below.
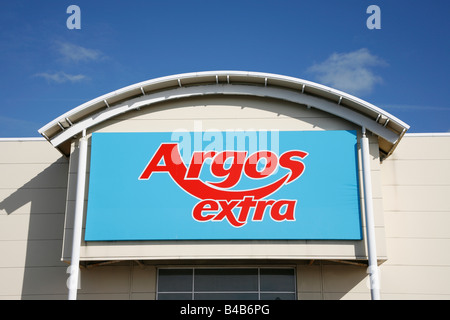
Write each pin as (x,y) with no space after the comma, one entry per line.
(370,225)
(78,219)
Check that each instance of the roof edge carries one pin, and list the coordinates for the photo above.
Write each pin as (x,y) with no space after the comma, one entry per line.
(340,98)
(184,76)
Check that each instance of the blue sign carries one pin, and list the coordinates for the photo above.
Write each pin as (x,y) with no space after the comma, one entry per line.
(231,185)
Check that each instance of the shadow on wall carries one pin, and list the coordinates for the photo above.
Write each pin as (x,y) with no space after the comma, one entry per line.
(329,280)
(43,199)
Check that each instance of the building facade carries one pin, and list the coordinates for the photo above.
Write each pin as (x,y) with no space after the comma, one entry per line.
(225,185)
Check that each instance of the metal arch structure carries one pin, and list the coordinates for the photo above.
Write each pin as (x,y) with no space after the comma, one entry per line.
(385,126)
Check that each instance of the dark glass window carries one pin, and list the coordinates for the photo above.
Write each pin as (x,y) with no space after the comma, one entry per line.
(175,280)
(175,296)
(226,280)
(280,280)
(226,284)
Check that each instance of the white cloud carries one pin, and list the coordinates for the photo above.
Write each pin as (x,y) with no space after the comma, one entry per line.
(69,54)
(61,77)
(350,72)
(73,53)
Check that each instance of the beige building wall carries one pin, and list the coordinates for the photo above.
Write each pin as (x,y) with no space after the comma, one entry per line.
(413,191)
(33,187)
(416,198)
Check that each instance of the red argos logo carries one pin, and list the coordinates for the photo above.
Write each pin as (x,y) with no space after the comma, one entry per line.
(219,199)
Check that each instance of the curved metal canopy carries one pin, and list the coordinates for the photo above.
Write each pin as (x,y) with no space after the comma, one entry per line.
(388,128)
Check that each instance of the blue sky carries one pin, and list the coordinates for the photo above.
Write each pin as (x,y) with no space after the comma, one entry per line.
(48,69)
